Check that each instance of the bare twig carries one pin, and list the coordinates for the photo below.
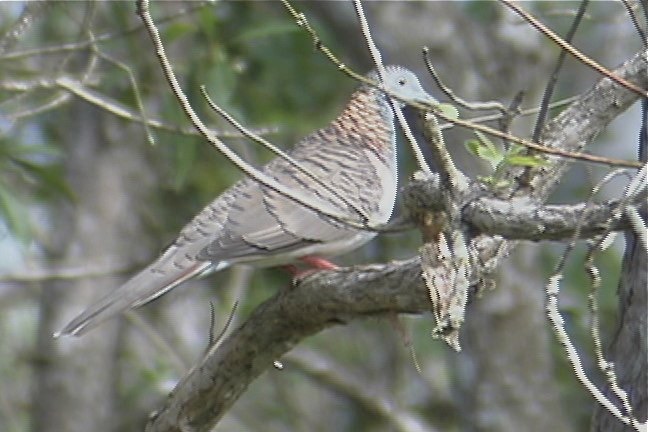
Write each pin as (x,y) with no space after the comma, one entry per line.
(558,325)
(553,313)
(166,348)
(553,78)
(375,54)
(491,105)
(573,51)
(31,12)
(65,272)
(538,147)
(451,177)
(635,22)
(75,46)
(606,367)
(119,110)
(302,21)
(136,91)
(215,340)
(521,113)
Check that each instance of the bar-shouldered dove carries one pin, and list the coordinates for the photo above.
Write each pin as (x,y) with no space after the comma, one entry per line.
(355,158)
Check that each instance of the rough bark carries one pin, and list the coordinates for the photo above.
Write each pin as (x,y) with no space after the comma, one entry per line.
(629,348)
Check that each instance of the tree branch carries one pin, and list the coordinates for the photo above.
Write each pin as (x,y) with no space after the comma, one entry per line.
(336,297)
(523,219)
(322,300)
(520,219)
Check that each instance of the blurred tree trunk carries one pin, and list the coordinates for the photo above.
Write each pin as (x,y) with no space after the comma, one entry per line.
(629,348)
(74,386)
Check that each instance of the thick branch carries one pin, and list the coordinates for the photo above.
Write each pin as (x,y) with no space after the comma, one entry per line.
(522,219)
(322,300)
(578,125)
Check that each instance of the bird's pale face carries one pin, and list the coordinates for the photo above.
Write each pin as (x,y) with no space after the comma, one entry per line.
(406,85)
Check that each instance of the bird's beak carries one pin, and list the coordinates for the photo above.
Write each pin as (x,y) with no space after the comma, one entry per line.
(429,100)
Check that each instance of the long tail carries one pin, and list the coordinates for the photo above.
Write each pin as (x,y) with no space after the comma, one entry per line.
(145,286)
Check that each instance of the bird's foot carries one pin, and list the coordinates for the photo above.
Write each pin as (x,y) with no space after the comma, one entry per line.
(316,264)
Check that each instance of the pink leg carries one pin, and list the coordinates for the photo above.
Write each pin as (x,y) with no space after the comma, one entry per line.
(318,263)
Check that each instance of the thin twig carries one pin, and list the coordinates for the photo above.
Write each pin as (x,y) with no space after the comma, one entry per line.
(74,46)
(554,316)
(214,341)
(534,146)
(375,54)
(56,101)
(521,113)
(606,367)
(573,51)
(635,21)
(116,108)
(452,178)
(490,105)
(553,79)
(558,325)
(136,92)
(302,21)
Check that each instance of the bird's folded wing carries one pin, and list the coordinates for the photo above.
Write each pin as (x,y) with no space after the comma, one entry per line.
(264,222)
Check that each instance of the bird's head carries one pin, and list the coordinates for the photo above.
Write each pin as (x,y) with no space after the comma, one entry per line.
(402,82)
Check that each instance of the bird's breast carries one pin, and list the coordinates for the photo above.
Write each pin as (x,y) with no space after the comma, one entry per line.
(386,175)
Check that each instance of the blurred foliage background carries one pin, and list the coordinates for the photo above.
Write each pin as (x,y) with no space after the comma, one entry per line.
(85,199)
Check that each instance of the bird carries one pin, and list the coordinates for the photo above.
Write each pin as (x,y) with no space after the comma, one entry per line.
(354,158)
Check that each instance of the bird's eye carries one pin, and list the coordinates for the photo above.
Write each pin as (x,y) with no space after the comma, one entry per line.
(401,82)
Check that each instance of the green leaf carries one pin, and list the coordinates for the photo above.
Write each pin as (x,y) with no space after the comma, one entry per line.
(525,160)
(473,146)
(484,149)
(487,142)
(449,110)
(516,149)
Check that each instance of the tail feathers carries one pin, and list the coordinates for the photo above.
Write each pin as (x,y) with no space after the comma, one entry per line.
(147,285)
